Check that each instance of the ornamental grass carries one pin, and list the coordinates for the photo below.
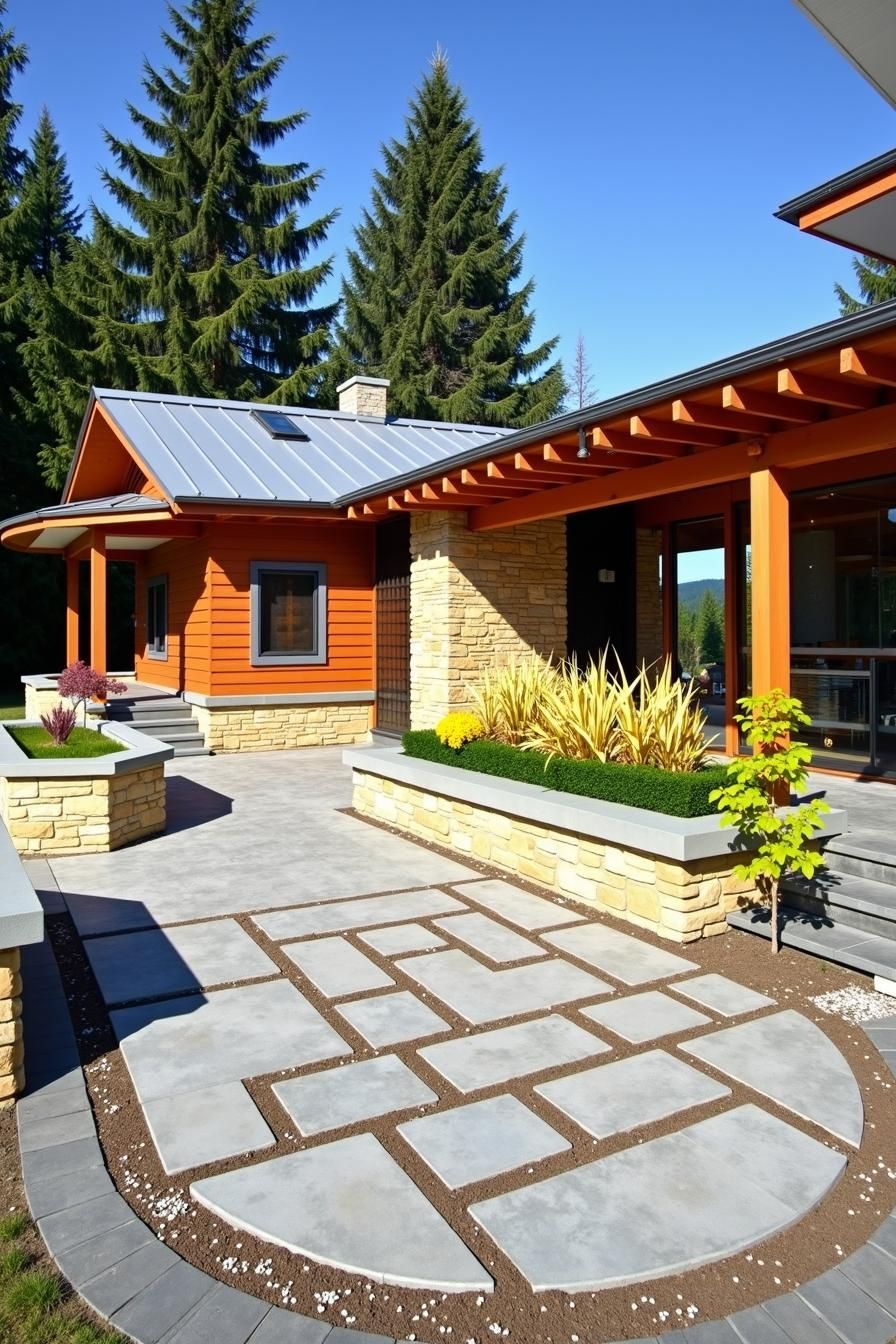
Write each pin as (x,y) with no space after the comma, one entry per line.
(593,713)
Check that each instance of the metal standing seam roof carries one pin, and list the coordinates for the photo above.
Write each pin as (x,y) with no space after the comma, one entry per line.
(111,504)
(204,449)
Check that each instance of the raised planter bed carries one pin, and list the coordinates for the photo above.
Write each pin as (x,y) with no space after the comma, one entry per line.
(83,805)
(672,875)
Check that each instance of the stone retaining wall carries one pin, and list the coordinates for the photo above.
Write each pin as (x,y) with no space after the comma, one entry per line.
(83,815)
(40,700)
(281,727)
(679,901)
(12,1050)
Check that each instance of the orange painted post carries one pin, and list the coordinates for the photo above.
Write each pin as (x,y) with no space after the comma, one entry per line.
(732,634)
(72,614)
(98,602)
(770,542)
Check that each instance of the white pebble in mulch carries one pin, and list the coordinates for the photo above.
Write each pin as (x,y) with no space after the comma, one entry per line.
(855,1005)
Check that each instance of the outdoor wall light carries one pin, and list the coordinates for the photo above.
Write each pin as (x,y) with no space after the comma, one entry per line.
(583,450)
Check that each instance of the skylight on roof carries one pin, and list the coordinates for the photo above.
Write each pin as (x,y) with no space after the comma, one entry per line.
(280,426)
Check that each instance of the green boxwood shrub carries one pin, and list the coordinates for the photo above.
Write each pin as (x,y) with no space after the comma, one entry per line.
(675,795)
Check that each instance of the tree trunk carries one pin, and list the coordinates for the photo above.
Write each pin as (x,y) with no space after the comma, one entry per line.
(776,932)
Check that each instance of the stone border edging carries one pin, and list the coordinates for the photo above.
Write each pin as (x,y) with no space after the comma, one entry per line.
(141,751)
(21,913)
(145,1290)
(680,839)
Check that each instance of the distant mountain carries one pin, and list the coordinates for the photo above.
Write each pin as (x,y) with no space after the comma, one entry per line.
(690,594)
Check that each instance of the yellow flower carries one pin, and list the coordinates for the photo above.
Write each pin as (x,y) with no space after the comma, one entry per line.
(455,730)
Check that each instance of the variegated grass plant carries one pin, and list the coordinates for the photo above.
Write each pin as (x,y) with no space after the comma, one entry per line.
(593,713)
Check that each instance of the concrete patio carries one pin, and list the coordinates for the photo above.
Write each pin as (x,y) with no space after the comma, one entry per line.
(463,1022)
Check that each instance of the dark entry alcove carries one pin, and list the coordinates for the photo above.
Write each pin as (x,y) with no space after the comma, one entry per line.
(600,583)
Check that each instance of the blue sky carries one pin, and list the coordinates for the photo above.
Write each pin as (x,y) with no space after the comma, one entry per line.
(645,145)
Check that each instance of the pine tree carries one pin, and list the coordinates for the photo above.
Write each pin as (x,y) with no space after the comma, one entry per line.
(431,300)
(45,220)
(711,628)
(877,283)
(213,268)
(13,59)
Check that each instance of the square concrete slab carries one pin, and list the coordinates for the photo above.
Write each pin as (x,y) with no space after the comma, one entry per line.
(723,996)
(185,1044)
(480,994)
(519,907)
(645,1017)
(400,938)
(207,1125)
(472,1143)
(628,959)
(614,1098)
(495,941)
(493,1057)
(343,1096)
(389,1019)
(347,1204)
(358,914)
(337,968)
(157,963)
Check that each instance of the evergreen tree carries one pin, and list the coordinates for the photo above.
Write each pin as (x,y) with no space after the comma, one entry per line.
(45,220)
(431,299)
(876,281)
(689,652)
(211,277)
(13,59)
(710,628)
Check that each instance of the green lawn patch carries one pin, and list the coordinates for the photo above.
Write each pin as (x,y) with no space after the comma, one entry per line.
(36,1305)
(11,707)
(37,743)
(674,795)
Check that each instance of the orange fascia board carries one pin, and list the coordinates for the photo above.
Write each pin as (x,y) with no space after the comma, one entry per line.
(848,200)
(15,536)
(862,432)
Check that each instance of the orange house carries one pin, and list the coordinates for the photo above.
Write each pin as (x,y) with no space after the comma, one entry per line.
(305,575)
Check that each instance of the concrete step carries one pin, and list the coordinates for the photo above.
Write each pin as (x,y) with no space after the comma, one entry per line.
(834,942)
(864,853)
(859,902)
(181,750)
(166,728)
(176,710)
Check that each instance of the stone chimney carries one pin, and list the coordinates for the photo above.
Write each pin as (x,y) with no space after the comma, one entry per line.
(364,396)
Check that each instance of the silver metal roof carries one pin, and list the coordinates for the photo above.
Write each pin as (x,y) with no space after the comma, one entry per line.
(111,504)
(200,448)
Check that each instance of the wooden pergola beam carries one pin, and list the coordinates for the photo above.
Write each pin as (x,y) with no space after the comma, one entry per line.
(754,399)
(479,480)
(599,461)
(695,413)
(622,441)
(664,431)
(828,391)
(868,366)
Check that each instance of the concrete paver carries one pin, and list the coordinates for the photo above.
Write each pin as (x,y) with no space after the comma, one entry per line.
(207,1125)
(474,1142)
(492,1057)
(336,968)
(332,1098)
(493,940)
(626,958)
(335,918)
(519,907)
(646,1017)
(721,995)
(390,1019)
(400,938)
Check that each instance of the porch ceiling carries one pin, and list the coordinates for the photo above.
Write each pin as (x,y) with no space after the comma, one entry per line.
(830,399)
(856,209)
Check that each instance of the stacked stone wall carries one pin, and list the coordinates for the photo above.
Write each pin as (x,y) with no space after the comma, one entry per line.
(281,727)
(678,901)
(67,815)
(12,1050)
(477,600)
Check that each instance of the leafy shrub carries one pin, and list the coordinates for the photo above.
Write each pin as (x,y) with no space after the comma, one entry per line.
(79,683)
(454,730)
(671,793)
(59,724)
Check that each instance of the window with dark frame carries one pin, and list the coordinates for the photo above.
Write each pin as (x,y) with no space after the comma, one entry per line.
(289,617)
(157,617)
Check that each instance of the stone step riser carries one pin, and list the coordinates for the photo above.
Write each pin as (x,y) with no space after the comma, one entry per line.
(170,731)
(841,913)
(149,715)
(850,865)
(870,959)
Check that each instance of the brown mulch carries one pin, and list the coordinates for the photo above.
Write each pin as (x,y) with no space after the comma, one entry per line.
(841,1223)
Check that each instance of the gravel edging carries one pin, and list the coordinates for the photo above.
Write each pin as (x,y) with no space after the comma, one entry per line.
(146,1291)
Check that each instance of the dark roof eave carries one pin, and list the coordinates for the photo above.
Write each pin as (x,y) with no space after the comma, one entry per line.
(805,342)
(791,211)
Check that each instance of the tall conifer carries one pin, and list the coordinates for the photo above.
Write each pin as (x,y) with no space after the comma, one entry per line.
(877,283)
(214,267)
(431,296)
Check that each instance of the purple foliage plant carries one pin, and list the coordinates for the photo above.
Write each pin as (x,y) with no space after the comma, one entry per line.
(81,683)
(59,724)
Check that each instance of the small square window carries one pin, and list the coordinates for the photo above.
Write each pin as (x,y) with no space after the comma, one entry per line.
(289,613)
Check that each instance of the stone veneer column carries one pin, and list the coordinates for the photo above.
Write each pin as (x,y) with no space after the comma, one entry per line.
(477,599)
(12,1071)
(648,595)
